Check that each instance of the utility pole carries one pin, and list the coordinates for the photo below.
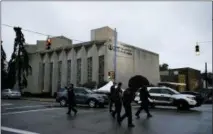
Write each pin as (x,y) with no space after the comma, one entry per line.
(197,50)
(206,75)
(115,55)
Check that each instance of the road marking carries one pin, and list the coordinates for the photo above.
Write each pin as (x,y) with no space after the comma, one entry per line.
(25,106)
(6,104)
(18,131)
(37,110)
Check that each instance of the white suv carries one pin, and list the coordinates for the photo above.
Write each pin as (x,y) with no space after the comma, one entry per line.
(169,97)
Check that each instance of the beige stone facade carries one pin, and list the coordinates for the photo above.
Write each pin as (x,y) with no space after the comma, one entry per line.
(79,63)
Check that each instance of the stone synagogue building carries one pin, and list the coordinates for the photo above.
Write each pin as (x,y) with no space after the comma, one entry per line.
(79,63)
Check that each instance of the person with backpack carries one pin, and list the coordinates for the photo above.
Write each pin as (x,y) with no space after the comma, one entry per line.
(128,97)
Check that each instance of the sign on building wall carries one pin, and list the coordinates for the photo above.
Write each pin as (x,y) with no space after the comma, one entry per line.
(120,49)
(111,75)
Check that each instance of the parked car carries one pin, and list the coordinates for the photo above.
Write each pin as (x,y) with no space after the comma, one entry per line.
(198,97)
(83,96)
(166,96)
(11,94)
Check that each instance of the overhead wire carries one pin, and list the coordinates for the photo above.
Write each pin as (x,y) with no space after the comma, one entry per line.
(35,32)
(48,35)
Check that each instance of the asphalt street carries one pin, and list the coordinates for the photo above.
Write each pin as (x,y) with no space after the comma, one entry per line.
(31,117)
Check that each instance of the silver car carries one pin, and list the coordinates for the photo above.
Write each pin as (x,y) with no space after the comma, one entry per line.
(11,93)
(83,96)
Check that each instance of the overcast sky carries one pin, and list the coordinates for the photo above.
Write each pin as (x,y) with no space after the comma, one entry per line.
(170,29)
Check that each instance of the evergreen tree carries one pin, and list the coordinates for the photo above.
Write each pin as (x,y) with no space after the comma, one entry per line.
(3,69)
(19,67)
(164,67)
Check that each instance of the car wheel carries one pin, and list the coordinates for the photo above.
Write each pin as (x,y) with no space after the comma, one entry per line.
(63,102)
(92,103)
(101,105)
(182,105)
(7,97)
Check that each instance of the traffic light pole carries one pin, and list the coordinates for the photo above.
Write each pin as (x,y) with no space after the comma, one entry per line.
(115,55)
(197,53)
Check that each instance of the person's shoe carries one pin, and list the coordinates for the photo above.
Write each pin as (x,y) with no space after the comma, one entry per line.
(119,122)
(149,116)
(137,116)
(131,125)
(68,113)
(113,115)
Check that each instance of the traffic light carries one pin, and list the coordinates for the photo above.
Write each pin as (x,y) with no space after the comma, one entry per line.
(48,44)
(197,49)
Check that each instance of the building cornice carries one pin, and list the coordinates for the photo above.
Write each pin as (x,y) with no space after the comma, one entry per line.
(69,47)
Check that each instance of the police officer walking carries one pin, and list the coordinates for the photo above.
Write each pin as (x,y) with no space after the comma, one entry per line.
(112,90)
(128,97)
(117,97)
(71,100)
(144,97)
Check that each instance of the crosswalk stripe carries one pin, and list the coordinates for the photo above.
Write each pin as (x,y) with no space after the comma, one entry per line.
(6,104)
(18,131)
(37,110)
(25,107)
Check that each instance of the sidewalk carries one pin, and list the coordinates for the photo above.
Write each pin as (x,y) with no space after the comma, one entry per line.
(39,99)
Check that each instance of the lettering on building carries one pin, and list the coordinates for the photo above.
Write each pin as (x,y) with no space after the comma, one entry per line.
(120,49)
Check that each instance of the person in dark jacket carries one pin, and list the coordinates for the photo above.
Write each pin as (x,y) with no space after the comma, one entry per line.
(71,100)
(112,90)
(144,97)
(117,97)
(128,97)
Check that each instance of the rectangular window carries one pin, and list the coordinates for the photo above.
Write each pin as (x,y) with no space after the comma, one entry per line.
(59,74)
(51,76)
(101,68)
(68,72)
(78,71)
(89,69)
(43,73)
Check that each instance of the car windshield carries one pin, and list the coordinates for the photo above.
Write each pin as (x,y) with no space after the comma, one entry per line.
(15,90)
(88,90)
(175,92)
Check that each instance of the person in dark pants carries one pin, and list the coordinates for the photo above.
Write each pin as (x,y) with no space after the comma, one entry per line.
(144,97)
(112,90)
(128,97)
(71,100)
(117,97)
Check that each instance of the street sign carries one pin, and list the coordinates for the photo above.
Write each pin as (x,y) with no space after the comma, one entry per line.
(111,75)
